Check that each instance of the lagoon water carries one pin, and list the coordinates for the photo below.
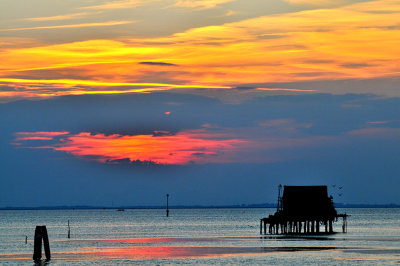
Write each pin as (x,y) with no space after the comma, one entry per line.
(195,236)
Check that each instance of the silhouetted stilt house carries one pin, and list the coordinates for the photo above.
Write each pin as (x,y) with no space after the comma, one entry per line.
(303,210)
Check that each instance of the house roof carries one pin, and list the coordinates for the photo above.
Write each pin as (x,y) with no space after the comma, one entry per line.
(307,201)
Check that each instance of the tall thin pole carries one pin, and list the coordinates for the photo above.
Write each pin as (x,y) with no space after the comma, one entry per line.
(167,206)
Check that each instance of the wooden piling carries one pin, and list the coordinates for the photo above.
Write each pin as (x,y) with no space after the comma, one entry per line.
(265,228)
(37,249)
(344,226)
(41,233)
(167,206)
(46,243)
(69,231)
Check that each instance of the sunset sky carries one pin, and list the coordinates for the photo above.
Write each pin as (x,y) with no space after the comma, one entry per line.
(118,102)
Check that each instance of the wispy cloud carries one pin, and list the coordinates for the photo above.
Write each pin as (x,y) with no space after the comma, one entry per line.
(51,88)
(156,63)
(22,136)
(377,122)
(60,17)
(192,4)
(73,82)
(317,2)
(82,25)
(376,132)
(283,89)
(201,4)
(119,4)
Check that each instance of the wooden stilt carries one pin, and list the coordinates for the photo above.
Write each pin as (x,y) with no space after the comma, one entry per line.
(41,233)
(265,228)
(46,243)
(37,248)
(69,231)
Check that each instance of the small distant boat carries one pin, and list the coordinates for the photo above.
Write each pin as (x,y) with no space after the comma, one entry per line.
(121,210)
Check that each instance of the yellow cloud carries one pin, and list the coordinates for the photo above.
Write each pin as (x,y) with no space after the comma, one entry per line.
(74,82)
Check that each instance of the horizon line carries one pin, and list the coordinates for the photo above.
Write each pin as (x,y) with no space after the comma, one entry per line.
(226,206)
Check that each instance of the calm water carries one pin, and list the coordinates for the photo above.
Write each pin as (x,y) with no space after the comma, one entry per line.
(195,236)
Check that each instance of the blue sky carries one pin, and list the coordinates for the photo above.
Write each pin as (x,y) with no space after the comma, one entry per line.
(320,139)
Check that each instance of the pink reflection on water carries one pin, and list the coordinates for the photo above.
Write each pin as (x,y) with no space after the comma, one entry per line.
(124,253)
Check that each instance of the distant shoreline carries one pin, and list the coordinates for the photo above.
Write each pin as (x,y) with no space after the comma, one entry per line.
(242,206)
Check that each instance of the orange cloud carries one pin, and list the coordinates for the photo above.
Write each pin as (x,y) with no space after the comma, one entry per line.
(182,148)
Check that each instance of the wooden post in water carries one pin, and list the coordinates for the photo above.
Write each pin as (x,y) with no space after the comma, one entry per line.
(69,230)
(167,206)
(26,239)
(41,233)
(46,243)
(265,228)
(37,248)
